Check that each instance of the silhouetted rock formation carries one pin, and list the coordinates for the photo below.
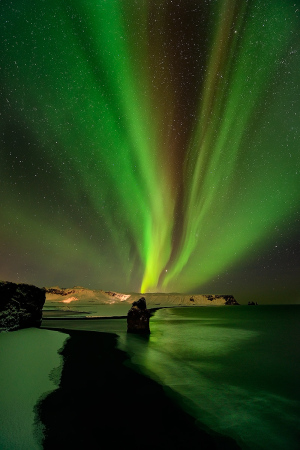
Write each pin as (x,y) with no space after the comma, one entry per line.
(138,317)
(20,306)
(252,303)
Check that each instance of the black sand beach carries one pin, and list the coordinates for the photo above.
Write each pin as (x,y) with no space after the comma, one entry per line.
(102,402)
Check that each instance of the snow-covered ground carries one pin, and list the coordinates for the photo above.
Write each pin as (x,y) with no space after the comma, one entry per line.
(30,368)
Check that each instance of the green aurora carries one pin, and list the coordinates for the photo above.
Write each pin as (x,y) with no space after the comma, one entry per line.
(149,145)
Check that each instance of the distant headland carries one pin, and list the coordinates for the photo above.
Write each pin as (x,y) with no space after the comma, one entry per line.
(23,305)
(78,293)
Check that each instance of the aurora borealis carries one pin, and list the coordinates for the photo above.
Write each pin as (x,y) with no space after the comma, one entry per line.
(151,145)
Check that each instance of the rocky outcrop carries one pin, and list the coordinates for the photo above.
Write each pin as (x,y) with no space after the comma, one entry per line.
(230,300)
(20,306)
(57,291)
(138,318)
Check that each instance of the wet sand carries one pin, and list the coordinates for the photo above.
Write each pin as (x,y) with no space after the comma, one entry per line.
(102,402)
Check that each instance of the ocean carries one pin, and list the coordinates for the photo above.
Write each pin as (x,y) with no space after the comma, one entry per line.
(235,369)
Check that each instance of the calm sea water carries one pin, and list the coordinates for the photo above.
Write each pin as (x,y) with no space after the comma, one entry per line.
(236,369)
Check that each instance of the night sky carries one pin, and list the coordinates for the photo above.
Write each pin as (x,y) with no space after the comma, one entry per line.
(151,145)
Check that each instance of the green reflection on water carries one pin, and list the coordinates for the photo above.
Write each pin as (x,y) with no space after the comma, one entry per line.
(234,369)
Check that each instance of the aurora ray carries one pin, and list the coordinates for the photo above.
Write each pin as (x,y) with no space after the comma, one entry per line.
(147,145)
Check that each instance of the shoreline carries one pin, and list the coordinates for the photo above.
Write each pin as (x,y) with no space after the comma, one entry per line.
(78,315)
(57,314)
(130,407)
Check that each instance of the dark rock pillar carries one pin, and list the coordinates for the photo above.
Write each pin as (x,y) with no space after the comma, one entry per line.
(138,318)
(21,306)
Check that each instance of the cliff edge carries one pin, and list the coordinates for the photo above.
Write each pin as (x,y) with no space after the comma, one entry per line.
(20,306)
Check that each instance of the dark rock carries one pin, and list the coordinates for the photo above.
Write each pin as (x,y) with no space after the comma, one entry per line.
(252,303)
(138,317)
(57,291)
(230,300)
(21,306)
(141,304)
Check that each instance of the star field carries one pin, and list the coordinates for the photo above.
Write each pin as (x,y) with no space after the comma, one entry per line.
(151,145)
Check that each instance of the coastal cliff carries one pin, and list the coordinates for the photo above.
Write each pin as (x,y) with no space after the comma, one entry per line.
(78,293)
(20,306)
(84,302)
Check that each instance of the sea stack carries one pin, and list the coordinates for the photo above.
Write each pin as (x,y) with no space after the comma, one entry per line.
(21,306)
(138,318)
